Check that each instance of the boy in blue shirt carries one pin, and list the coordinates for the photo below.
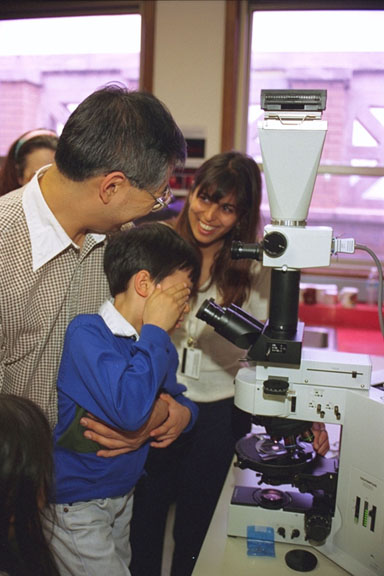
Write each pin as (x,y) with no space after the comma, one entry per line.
(115,365)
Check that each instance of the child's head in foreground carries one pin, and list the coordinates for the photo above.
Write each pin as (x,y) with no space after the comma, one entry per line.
(26,481)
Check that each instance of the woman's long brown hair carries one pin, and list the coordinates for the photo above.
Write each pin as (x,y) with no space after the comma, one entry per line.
(223,174)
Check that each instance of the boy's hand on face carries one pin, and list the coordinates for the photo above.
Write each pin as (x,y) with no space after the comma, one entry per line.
(165,308)
(178,419)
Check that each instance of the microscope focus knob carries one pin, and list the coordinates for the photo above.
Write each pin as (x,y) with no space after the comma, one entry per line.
(274,244)
(275,387)
(317,526)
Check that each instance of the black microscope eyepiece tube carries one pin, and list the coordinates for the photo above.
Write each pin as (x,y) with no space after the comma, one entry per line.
(284,301)
(240,251)
(232,323)
(210,312)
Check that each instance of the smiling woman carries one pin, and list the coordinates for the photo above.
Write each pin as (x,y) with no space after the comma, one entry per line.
(211,219)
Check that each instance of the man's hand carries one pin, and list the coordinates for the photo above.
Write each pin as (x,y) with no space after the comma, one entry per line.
(121,442)
(321,440)
(178,419)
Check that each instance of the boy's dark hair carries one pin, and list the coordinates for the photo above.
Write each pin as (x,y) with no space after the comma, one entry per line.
(154,247)
(117,129)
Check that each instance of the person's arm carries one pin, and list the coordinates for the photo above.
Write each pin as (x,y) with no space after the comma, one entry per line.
(178,419)
(182,413)
(121,442)
(321,440)
(139,379)
(173,413)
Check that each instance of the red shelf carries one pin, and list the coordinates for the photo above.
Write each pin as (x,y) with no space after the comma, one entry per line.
(361,316)
(360,341)
(358,329)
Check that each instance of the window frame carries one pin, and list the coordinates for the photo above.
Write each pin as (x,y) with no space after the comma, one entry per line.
(54,9)
(344,266)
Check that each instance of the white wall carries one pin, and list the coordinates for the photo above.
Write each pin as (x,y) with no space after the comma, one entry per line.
(189,62)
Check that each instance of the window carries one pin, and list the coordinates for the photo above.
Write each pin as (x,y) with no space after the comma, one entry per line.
(49,65)
(342,52)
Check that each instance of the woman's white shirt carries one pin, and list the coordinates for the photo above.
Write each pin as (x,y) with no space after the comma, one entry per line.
(216,360)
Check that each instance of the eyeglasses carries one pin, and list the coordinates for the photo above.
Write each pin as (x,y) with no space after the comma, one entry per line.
(163,200)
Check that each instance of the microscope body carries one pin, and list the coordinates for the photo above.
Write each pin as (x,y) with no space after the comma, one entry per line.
(337,503)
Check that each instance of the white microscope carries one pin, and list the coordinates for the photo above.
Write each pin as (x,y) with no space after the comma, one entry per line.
(335,504)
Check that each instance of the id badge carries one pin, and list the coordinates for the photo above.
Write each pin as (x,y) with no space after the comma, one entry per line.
(191,360)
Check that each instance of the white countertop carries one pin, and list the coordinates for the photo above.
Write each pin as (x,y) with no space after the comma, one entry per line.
(224,555)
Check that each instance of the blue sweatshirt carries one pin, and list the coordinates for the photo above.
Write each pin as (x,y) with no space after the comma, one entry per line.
(117,379)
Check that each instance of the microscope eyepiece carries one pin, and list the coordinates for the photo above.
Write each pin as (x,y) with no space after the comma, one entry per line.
(240,251)
(232,323)
(210,312)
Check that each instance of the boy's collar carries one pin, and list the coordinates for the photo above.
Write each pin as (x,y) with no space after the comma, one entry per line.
(117,324)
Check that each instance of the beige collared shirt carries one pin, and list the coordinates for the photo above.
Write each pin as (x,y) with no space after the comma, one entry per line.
(220,360)
(45,280)
(48,238)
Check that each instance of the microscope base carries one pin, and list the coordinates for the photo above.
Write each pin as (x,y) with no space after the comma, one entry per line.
(287,522)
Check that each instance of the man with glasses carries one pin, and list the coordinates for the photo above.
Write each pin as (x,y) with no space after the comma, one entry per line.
(53,230)
(163,200)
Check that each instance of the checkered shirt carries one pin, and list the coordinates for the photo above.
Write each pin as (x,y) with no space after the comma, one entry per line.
(36,307)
